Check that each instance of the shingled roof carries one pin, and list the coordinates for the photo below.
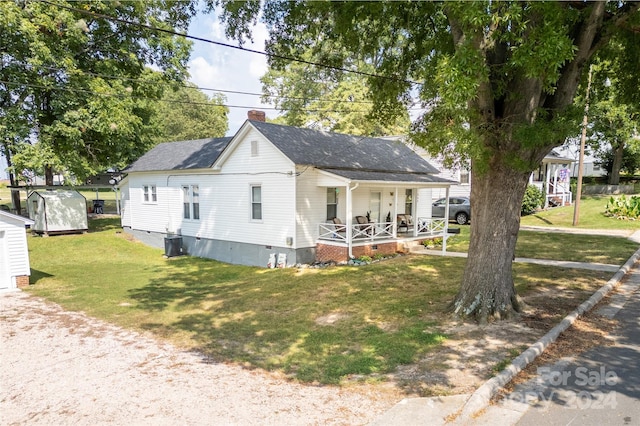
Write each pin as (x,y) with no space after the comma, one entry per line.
(354,157)
(183,155)
(328,150)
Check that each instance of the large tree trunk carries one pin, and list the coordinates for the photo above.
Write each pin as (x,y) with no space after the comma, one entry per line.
(618,154)
(487,290)
(15,195)
(48,176)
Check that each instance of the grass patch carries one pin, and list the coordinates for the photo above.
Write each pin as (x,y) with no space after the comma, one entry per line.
(560,246)
(316,325)
(592,216)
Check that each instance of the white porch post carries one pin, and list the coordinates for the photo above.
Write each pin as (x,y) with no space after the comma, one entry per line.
(394,218)
(446,222)
(414,210)
(546,185)
(349,219)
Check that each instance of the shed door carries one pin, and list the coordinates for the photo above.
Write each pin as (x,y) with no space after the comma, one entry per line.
(5,278)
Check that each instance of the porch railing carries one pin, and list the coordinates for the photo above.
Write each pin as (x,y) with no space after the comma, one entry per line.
(332,231)
(377,230)
(372,231)
(430,226)
(565,197)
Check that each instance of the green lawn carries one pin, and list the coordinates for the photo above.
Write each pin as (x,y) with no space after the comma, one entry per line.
(591,216)
(316,325)
(561,246)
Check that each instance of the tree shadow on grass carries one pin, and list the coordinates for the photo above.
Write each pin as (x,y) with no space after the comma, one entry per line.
(269,319)
(104,224)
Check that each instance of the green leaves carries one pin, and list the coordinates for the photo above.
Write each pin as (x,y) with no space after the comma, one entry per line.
(74,84)
(623,208)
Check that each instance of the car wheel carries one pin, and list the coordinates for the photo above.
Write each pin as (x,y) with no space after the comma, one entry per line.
(462,218)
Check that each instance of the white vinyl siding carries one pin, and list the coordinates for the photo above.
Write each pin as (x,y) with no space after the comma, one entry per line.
(274,173)
(223,198)
(311,206)
(163,216)
(15,250)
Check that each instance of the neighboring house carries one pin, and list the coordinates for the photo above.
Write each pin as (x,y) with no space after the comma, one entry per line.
(278,190)
(589,163)
(14,254)
(553,177)
(459,176)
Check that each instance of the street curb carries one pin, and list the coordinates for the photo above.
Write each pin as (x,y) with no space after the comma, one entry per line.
(481,398)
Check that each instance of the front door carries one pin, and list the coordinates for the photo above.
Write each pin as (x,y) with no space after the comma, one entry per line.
(374,205)
(5,278)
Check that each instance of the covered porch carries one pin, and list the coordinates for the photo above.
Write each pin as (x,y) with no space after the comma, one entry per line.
(378,212)
(553,179)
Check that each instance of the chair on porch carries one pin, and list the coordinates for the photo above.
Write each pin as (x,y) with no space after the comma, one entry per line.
(338,225)
(364,226)
(404,221)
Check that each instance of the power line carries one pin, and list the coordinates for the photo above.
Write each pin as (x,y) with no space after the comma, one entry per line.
(226,91)
(114,95)
(236,92)
(218,43)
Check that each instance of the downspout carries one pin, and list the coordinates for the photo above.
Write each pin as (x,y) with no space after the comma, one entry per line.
(349,219)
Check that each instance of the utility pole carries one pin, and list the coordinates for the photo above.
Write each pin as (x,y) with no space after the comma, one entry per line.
(585,119)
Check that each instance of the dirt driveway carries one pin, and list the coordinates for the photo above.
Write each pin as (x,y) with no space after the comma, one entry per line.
(59,367)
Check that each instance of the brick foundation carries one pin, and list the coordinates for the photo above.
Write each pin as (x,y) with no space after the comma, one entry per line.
(331,253)
(22,281)
(328,253)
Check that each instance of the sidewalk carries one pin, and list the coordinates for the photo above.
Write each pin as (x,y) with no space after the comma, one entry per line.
(475,409)
(601,386)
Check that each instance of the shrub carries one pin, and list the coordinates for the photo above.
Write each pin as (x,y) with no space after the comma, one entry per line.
(623,207)
(532,201)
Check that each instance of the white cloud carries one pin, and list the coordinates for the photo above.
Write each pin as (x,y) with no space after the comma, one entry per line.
(220,67)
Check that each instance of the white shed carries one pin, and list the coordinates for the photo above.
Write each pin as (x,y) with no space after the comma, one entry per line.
(57,212)
(14,254)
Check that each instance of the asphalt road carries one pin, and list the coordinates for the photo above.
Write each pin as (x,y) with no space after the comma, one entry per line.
(600,387)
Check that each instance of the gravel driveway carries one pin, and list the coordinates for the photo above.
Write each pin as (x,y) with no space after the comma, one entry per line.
(59,367)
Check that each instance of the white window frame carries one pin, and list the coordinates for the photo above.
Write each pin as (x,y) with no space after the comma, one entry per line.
(332,192)
(191,202)
(149,194)
(468,177)
(252,203)
(255,148)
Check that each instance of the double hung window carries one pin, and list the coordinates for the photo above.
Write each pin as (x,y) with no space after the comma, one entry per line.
(191,202)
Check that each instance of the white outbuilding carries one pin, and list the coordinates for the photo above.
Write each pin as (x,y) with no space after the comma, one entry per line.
(57,211)
(14,254)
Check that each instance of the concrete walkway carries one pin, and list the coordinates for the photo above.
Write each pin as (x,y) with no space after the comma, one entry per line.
(475,409)
(557,263)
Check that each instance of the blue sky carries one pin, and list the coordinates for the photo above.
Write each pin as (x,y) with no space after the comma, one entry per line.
(218,67)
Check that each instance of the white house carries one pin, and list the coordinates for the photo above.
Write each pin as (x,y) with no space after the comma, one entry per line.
(14,253)
(272,189)
(553,178)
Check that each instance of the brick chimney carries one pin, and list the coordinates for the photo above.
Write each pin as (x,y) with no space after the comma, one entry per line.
(257,115)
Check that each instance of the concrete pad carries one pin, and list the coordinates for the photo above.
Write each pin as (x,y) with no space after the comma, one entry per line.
(635,237)
(431,411)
